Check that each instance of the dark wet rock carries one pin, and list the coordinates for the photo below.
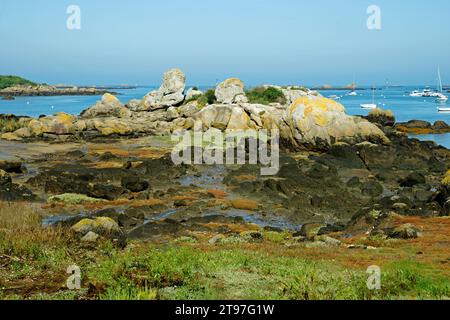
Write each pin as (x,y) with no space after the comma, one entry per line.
(12,167)
(416,124)
(107,192)
(109,213)
(5,178)
(372,188)
(423,195)
(76,154)
(10,191)
(309,230)
(331,228)
(107,156)
(134,183)
(384,118)
(153,230)
(423,127)
(342,155)
(446,209)
(353,182)
(412,179)
(180,203)
(440,126)
(273,229)
(61,181)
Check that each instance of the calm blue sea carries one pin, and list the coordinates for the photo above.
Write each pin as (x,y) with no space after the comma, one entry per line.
(395,98)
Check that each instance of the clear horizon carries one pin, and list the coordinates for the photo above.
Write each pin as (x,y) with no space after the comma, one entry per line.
(277,42)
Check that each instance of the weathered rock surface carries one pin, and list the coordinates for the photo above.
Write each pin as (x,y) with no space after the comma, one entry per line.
(317,122)
(171,92)
(45,90)
(231,91)
(109,106)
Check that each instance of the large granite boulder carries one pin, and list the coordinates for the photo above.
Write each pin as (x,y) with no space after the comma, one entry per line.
(109,106)
(316,122)
(231,91)
(59,124)
(226,117)
(171,92)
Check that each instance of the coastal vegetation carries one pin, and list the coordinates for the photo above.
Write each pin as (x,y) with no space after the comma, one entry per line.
(262,95)
(34,260)
(10,81)
(10,123)
(207,98)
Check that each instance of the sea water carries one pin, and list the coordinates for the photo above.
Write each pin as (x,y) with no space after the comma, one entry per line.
(396,99)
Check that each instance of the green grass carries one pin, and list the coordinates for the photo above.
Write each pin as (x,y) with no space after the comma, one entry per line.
(33,258)
(204,99)
(266,96)
(9,81)
(235,273)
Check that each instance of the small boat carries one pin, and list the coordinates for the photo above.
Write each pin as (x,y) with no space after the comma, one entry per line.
(334,97)
(370,105)
(416,93)
(444,109)
(441,97)
(352,94)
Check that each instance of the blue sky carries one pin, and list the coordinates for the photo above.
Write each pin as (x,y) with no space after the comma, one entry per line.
(266,41)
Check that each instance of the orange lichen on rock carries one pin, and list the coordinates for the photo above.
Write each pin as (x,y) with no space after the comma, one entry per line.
(218,194)
(244,204)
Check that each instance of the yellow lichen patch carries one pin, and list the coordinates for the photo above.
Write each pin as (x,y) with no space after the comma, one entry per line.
(321,120)
(233,81)
(109,98)
(312,103)
(188,198)
(244,204)
(64,118)
(150,153)
(446,179)
(106,165)
(245,178)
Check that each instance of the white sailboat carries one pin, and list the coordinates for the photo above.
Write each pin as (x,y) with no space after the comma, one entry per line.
(440,95)
(370,105)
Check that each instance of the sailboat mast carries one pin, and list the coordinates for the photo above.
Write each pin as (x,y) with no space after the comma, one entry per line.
(440,80)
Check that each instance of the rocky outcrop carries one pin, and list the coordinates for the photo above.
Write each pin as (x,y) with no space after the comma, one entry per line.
(59,124)
(109,106)
(231,91)
(317,123)
(384,118)
(45,90)
(423,127)
(171,92)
